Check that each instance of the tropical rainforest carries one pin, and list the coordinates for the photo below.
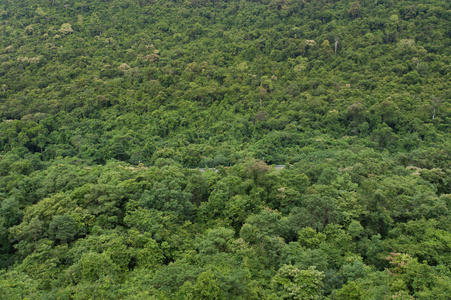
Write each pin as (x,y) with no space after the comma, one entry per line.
(225,149)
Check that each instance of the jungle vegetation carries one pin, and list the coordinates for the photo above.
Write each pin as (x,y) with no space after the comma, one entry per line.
(109,108)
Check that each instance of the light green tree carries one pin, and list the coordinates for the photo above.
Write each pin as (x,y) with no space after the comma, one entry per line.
(294,283)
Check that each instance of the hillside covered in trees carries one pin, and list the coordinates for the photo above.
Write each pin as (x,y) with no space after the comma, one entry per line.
(109,108)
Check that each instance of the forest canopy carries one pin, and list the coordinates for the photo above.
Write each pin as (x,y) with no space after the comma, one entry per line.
(109,108)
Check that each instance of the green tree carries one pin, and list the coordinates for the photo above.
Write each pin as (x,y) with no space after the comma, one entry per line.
(63,228)
(93,267)
(168,195)
(293,283)
(205,287)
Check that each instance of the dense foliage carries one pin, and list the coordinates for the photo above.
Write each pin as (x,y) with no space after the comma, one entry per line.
(107,109)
